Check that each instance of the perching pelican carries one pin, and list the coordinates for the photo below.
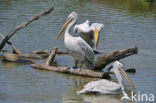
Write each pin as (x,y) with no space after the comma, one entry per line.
(103,86)
(76,46)
(86,31)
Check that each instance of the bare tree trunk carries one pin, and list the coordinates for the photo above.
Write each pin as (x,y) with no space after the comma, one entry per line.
(104,60)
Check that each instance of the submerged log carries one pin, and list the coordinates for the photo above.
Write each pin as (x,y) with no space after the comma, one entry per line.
(10,57)
(52,55)
(36,17)
(104,60)
(82,72)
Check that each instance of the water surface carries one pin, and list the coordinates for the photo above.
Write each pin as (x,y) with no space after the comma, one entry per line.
(127,23)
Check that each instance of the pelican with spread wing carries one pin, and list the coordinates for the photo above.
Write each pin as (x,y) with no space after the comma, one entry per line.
(88,32)
(76,46)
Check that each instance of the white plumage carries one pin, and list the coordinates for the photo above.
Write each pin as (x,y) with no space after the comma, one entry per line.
(76,46)
(86,31)
(103,86)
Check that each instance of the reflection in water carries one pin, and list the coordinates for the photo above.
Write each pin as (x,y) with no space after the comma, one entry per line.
(102,98)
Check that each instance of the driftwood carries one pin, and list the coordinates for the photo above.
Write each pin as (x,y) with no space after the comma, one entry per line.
(10,57)
(42,53)
(45,53)
(104,60)
(30,56)
(82,72)
(99,63)
(36,17)
(51,57)
(116,55)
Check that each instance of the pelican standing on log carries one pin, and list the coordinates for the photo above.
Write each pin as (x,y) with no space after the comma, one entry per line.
(103,86)
(88,32)
(76,46)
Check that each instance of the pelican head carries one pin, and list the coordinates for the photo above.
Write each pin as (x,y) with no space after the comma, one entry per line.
(72,18)
(117,66)
(96,27)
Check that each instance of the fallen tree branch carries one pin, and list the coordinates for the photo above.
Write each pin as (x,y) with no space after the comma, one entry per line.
(36,17)
(42,53)
(52,55)
(82,72)
(45,53)
(99,63)
(104,60)
(10,57)
(30,56)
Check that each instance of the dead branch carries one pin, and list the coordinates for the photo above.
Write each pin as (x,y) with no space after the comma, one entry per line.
(104,60)
(82,72)
(62,52)
(36,17)
(52,55)
(42,53)
(10,57)
(30,56)
(45,53)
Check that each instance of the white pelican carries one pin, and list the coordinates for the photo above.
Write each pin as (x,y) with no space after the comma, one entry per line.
(103,86)
(86,31)
(76,46)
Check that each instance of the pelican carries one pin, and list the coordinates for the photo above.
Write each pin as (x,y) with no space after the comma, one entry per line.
(76,46)
(86,31)
(103,86)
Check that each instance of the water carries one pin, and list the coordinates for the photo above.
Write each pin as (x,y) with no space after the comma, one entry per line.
(127,23)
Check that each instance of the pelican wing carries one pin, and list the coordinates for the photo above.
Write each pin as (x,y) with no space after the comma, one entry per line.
(83,28)
(101,86)
(86,50)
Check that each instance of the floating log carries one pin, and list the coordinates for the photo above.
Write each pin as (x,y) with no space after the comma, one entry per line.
(36,17)
(30,56)
(82,72)
(104,60)
(52,55)
(10,57)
